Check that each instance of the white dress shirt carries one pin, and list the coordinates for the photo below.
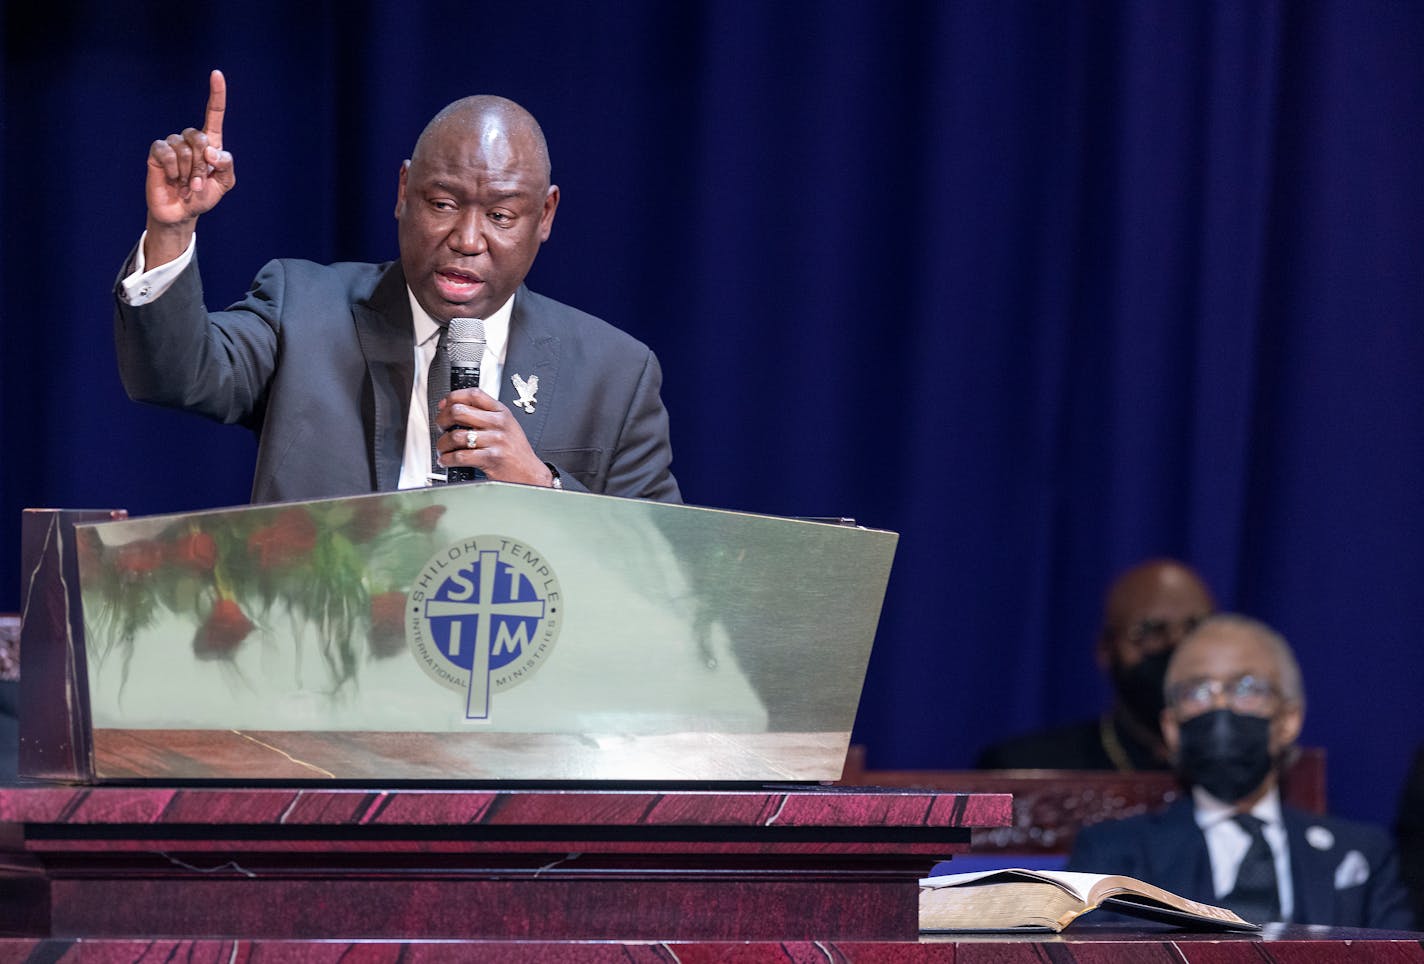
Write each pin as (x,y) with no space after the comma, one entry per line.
(415,462)
(1227,843)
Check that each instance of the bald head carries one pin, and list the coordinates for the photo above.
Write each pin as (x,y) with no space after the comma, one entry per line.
(1149,608)
(474,203)
(496,123)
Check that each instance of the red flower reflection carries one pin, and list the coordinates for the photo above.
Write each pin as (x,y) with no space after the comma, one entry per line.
(226,627)
(138,559)
(194,550)
(287,539)
(428,518)
(387,623)
(372,517)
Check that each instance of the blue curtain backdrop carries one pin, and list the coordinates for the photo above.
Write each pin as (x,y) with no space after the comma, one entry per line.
(1045,287)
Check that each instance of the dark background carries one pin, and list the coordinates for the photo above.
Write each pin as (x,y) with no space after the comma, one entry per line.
(1045,287)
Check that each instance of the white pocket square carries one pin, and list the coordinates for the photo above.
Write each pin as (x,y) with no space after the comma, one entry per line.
(1352,871)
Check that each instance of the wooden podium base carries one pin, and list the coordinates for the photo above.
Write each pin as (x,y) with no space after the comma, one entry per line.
(772,864)
(1078,945)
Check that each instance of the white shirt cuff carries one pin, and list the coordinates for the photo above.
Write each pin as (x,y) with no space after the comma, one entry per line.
(141,287)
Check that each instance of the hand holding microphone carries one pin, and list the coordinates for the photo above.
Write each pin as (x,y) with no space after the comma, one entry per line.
(480,437)
(465,344)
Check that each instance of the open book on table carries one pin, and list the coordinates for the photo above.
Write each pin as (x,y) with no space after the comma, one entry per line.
(995,900)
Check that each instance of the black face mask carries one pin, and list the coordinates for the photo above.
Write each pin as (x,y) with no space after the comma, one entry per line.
(1225,753)
(1139,689)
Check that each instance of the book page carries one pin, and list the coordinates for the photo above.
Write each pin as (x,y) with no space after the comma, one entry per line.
(1179,911)
(1141,892)
(1080,885)
(998,905)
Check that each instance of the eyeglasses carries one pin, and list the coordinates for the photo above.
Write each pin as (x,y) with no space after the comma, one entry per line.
(1151,635)
(1244,694)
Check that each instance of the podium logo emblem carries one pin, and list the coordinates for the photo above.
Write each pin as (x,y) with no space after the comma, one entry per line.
(483,615)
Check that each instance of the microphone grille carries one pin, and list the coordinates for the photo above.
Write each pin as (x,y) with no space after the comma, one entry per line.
(466,342)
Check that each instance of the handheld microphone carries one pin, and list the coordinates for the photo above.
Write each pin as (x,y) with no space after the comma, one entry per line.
(465,343)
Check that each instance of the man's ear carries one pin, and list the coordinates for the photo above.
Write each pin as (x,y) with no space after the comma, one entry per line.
(400,189)
(1171,734)
(1104,651)
(1286,727)
(546,216)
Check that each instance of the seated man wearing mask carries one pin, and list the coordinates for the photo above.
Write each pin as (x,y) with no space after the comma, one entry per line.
(1235,705)
(1148,609)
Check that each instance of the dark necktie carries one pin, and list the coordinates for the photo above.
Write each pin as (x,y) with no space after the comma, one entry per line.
(437,386)
(1256,896)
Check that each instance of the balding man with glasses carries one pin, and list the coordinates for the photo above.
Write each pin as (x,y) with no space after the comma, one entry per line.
(1235,706)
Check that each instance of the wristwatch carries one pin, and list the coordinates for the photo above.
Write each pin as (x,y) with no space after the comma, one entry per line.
(557,483)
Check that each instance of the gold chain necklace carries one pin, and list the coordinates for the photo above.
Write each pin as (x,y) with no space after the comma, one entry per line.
(1107,734)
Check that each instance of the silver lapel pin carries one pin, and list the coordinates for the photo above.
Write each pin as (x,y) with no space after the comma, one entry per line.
(526,392)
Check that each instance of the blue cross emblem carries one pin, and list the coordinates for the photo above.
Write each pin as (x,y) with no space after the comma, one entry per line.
(483,622)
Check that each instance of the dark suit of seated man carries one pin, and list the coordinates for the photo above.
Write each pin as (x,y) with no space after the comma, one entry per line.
(1148,609)
(1235,705)
(1409,828)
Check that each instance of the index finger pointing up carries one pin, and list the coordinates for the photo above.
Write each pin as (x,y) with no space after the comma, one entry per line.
(217,106)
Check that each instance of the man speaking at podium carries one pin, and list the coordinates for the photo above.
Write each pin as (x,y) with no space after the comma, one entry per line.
(328,364)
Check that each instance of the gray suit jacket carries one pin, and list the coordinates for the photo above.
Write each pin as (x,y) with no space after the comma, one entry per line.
(317,361)
(1168,849)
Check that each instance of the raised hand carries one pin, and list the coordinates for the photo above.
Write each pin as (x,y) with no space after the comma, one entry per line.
(188,174)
